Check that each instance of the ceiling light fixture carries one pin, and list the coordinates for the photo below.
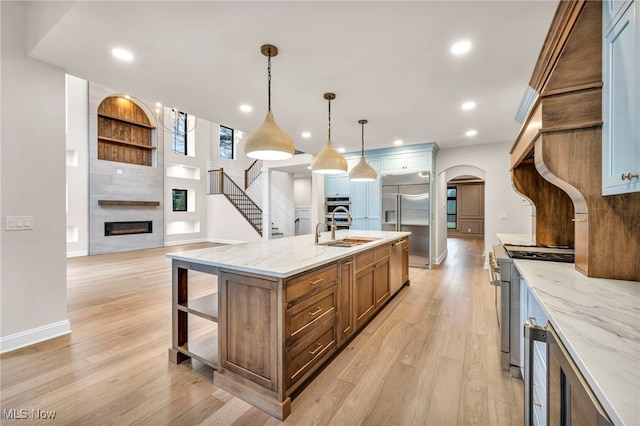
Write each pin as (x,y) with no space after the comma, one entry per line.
(329,161)
(363,172)
(122,54)
(341,150)
(178,121)
(269,142)
(461,47)
(306,135)
(471,133)
(245,108)
(468,105)
(398,142)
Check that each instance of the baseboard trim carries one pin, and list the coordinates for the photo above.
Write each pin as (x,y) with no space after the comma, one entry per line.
(440,258)
(33,336)
(78,253)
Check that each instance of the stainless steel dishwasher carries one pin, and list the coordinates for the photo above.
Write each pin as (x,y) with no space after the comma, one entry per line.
(395,274)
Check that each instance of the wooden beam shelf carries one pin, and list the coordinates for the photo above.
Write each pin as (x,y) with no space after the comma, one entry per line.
(128,203)
(123,120)
(121,142)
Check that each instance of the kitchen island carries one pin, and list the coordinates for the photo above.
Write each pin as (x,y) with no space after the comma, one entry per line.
(283,307)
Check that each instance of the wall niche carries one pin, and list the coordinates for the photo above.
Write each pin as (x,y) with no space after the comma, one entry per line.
(125,133)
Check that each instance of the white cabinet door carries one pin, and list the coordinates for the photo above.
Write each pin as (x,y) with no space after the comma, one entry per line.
(621,106)
(406,162)
(366,205)
(417,161)
(336,185)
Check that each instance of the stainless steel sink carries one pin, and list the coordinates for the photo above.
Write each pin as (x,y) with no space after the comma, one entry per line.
(348,242)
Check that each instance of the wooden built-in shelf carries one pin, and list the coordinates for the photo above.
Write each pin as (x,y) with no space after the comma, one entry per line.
(205,307)
(204,349)
(121,142)
(128,203)
(123,120)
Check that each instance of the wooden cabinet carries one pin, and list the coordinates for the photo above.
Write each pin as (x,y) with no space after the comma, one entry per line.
(406,162)
(620,98)
(571,401)
(405,260)
(366,199)
(337,185)
(124,132)
(371,288)
(345,311)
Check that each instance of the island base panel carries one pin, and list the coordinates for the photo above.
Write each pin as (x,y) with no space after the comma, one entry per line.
(271,406)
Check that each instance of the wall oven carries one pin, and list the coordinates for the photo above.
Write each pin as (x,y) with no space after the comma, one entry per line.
(341,217)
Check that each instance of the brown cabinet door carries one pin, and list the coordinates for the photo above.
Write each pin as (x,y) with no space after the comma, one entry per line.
(364,296)
(381,282)
(345,311)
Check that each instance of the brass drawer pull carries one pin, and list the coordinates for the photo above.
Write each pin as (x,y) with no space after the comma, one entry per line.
(316,312)
(630,176)
(320,346)
(578,220)
(316,281)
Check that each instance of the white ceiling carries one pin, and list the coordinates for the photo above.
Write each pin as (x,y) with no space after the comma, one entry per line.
(387,61)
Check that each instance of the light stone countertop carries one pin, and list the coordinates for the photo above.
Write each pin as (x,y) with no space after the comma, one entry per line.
(516,239)
(283,257)
(598,321)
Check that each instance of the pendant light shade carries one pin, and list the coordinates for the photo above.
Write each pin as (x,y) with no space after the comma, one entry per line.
(329,160)
(269,142)
(363,172)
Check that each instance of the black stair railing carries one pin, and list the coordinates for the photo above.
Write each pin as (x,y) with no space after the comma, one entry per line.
(221,183)
(252,173)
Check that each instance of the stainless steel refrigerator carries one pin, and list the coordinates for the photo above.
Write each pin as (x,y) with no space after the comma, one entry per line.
(406,207)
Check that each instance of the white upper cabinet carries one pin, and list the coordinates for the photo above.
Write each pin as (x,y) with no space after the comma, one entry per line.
(336,185)
(366,202)
(406,162)
(620,98)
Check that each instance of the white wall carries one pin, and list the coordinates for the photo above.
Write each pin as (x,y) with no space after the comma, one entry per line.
(77,167)
(302,192)
(187,172)
(505,210)
(33,275)
(225,224)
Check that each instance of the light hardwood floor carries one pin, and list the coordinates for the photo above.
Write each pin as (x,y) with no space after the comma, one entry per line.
(429,358)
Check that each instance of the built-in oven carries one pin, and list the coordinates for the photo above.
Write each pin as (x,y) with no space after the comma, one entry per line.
(332,203)
(332,212)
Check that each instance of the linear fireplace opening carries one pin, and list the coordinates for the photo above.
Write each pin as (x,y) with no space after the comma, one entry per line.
(128,228)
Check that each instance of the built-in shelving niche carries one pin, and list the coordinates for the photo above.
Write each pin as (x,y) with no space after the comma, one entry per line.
(125,133)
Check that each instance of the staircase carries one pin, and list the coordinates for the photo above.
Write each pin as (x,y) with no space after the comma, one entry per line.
(221,183)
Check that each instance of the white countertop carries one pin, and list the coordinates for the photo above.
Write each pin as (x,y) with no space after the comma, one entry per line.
(516,239)
(598,320)
(283,257)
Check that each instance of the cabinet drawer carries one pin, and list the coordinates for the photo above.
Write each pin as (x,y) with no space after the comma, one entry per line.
(366,258)
(383,251)
(307,283)
(306,357)
(303,317)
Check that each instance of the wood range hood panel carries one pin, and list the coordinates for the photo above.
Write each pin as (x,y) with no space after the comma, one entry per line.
(558,164)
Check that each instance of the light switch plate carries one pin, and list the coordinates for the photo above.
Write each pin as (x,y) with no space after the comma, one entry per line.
(18,223)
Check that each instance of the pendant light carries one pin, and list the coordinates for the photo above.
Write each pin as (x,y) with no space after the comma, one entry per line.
(269,142)
(329,160)
(363,172)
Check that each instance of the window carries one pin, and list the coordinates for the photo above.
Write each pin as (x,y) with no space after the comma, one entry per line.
(452,207)
(226,142)
(180,133)
(179,200)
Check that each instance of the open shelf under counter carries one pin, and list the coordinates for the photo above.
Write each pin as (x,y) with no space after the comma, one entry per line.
(205,307)
(204,349)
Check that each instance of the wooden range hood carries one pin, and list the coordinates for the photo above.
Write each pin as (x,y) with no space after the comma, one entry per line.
(556,161)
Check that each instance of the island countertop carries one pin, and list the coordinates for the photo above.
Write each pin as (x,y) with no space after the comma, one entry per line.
(598,321)
(284,257)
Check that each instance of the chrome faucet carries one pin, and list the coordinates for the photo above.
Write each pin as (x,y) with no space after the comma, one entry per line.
(326,228)
(333,220)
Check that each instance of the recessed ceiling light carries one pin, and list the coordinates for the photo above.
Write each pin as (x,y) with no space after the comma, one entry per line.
(306,135)
(468,105)
(398,142)
(340,150)
(461,47)
(246,108)
(308,167)
(127,97)
(471,133)
(122,54)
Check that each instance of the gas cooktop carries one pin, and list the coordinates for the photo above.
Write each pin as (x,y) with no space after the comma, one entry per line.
(551,254)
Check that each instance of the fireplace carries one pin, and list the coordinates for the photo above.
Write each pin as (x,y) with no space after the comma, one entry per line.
(128,228)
